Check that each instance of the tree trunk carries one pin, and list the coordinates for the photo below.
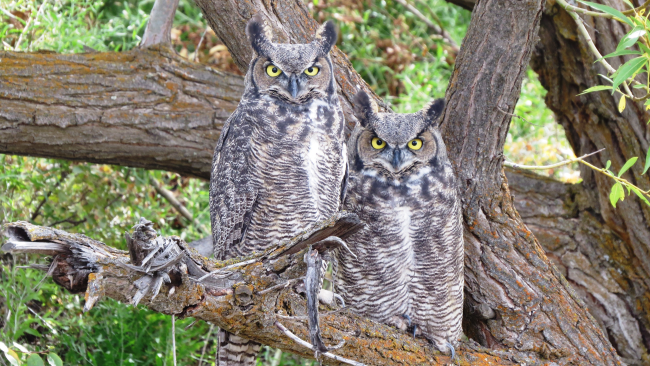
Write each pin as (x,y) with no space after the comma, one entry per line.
(517,298)
(617,282)
(144,108)
(603,252)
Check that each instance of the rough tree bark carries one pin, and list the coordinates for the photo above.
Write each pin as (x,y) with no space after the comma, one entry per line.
(247,296)
(511,324)
(617,284)
(603,252)
(144,108)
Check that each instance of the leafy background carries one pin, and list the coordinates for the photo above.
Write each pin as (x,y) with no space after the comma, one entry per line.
(392,49)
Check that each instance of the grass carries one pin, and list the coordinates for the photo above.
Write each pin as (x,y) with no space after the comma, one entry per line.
(392,49)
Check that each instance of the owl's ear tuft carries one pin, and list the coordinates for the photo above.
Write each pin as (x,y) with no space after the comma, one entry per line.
(259,34)
(326,36)
(364,108)
(433,110)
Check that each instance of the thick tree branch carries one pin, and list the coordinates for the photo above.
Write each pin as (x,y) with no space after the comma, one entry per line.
(234,297)
(596,261)
(143,108)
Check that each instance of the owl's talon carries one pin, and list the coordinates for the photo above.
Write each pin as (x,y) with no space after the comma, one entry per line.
(415,327)
(407,317)
(452,350)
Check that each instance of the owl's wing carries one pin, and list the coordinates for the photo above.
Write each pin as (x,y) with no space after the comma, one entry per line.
(344,186)
(232,193)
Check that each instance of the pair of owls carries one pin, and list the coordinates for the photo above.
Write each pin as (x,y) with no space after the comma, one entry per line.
(282,164)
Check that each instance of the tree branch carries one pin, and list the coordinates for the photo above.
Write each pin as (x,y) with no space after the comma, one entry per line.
(235,299)
(160,23)
(144,108)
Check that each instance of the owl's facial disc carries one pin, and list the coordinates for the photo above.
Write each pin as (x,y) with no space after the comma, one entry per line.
(395,157)
(296,84)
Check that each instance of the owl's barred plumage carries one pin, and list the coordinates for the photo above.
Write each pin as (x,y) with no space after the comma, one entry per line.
(281,162)
(410,257)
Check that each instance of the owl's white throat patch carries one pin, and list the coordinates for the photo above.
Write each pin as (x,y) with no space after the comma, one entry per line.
(313,109)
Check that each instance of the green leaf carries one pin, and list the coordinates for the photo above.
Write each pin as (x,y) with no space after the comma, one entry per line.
(35,360)
(644,48)
(608,10)
(596,88)
(54,360)
(640,195)
(628,164)
(33,332)
(630,39)
(616,194)
(647,162)
(639,86)
(620,53)
(609,163)
(627,70)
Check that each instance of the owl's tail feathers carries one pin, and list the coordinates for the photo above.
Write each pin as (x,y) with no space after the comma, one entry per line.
(236,351)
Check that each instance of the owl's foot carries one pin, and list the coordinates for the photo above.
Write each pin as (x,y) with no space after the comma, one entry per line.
(403,322)
(410,324)
(328,298)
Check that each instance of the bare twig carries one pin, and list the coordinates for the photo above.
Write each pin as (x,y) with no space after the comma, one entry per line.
(226,268)
(518,116)
(174,338)
(29,22)
(544,167)
(205,344)
(279,286)
(297,339)
(69,220)
(435,28)
(169,196)
(64,175)
(198,48)
(605,15)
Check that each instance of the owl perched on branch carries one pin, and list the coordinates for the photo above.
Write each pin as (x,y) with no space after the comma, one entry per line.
(410,256)
(280,164)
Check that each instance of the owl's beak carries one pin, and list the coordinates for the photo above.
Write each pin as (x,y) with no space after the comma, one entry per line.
(397,158)
(293,85)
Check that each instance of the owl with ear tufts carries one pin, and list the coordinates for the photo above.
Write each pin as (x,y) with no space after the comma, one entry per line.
(280,164)
(409,266)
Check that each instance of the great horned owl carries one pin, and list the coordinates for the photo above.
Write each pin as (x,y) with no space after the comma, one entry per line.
(281,162)
(409,266)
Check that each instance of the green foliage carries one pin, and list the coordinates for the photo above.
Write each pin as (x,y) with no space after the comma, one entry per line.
(393,50)
(638,37)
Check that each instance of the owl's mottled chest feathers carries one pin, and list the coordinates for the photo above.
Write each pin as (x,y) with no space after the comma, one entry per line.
(297,160)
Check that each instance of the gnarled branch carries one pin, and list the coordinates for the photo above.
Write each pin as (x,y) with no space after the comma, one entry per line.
(235,296)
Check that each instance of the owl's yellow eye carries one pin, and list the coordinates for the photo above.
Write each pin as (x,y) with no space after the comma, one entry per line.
(415,144)
(312,71)
(273,71)
(378,143)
